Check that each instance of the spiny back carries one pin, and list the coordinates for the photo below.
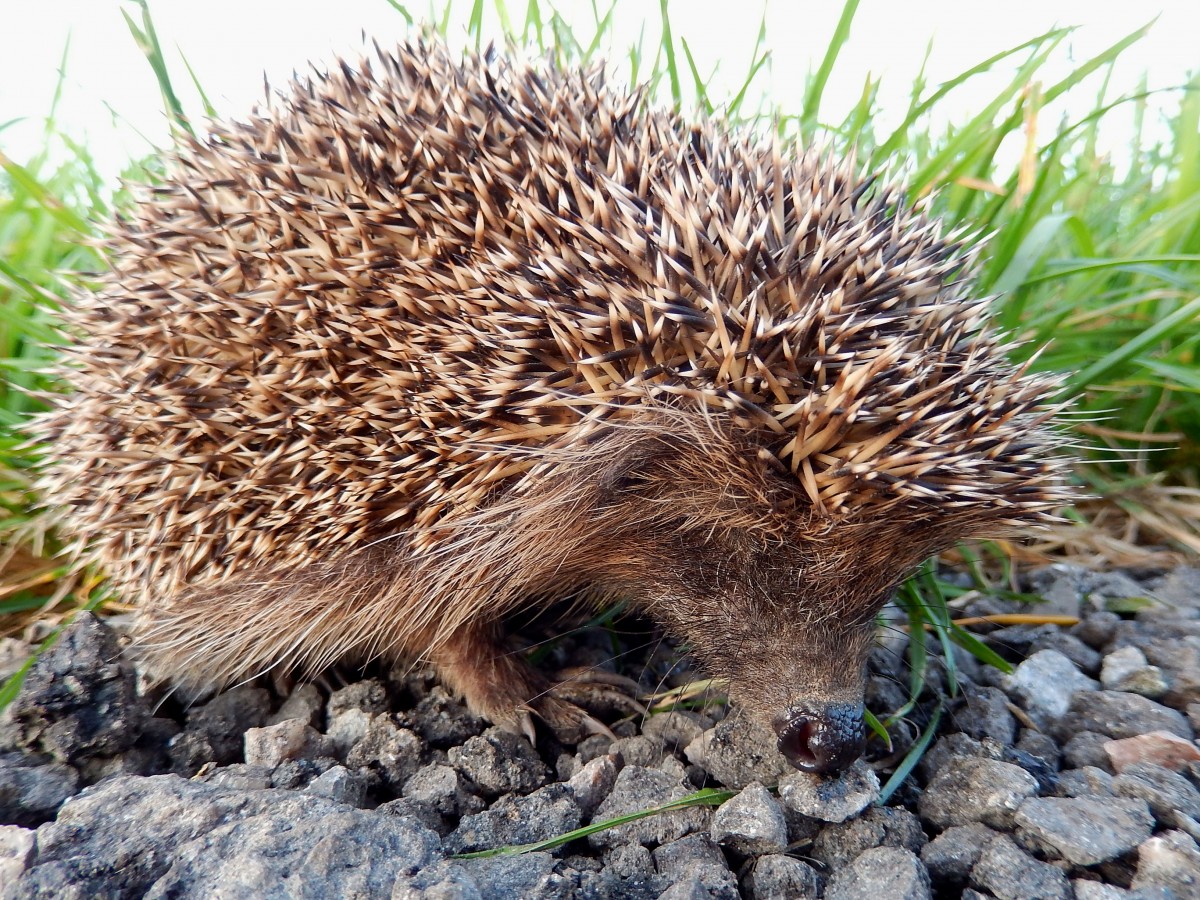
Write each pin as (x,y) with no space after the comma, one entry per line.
(355,314)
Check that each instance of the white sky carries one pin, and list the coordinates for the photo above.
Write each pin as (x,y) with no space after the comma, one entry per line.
(111,99)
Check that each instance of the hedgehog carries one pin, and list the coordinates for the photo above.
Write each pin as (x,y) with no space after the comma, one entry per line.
(432,340)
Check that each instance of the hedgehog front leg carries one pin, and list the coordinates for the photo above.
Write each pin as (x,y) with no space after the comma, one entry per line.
(498,684)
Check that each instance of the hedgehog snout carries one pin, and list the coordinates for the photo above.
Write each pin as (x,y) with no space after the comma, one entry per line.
(824,739)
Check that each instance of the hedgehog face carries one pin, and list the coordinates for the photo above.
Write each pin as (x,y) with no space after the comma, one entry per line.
(725,553)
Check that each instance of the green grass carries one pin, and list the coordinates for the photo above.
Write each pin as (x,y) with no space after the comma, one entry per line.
(1096,262)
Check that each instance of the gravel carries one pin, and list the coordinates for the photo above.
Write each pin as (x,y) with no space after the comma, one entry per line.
(1077,776)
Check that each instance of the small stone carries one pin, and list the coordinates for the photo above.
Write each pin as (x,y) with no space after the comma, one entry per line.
(638,750)
(703,883)
(836,846)
(1008,874)
(674,730)
(16,852)
(1087,781)
(830,799)
(528,875)
(738,752)
(881,872)
(442,721)
(441,788)
(1096,890)
(951,855)
(514,819)
(1160,748)
(1120,715)
(976,790)
(1045,683)
(78,699)
(239,777)
(1168,793)
(1169,860)
(392,752)
(629,861)
(593,782)
(31,795)
(221,722)
(985,715)
(340,784)
(368,696)
(290,739)
(500,762)
(752,823)
(1083,831)
(677,856)
(638,789)
(1126,669)
(1087,749)
(348,728)
(304,703)
(773,877)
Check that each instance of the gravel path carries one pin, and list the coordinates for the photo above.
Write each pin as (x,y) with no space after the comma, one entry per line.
(1076,776)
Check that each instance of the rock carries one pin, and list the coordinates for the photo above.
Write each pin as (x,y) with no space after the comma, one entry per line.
(752,823)
(1083,831)
(290,739)
(629,861)
(31,795)
(593,782)
(304,703)
(1008,874)
(500,763)
(78,699)
(442,721)
(881,872)
(1168,793)
(1087,781)
(838,845)
(638,750)
(1159,748)
(738,752)
(1087,749)
(368,696)
(772,877)
(830,799)
(239,777)
(976,790)
(341,785)
(1045,683)
(176,838)
(530,875)
(393,753)
(443,880)
(219,725)
(348,728)
(16,852)
(638,789)
(441,788)
(985,715)
(1120,715)
(546,813)
(674,730)
(951,855)
(1126,669)
(1169,860)
(696,867)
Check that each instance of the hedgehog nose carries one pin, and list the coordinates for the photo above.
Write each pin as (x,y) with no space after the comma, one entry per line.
(824,739)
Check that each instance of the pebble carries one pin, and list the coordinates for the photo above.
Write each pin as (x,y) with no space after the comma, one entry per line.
(1081,830)
(970,789)
(830,799)
(881,872)
(752,823)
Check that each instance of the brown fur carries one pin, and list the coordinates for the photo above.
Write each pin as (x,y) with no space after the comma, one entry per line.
(428,341)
